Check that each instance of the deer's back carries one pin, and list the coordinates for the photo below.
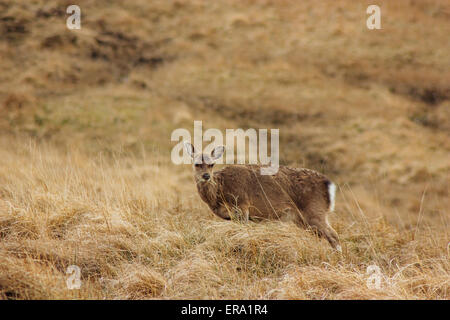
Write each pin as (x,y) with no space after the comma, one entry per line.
(269,196)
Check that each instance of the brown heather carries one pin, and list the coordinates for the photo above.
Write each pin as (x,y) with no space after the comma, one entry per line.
(85,124)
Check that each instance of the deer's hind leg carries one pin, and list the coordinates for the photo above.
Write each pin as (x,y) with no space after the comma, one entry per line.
(319,223)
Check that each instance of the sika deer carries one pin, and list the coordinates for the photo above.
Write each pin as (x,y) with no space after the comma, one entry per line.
(240,192)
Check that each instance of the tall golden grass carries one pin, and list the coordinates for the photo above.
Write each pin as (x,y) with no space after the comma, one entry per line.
(137,230)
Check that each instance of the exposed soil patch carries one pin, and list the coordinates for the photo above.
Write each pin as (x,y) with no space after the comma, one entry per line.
(13,28)
(273,116)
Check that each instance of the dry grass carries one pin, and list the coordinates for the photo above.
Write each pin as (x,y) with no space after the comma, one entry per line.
(85,123)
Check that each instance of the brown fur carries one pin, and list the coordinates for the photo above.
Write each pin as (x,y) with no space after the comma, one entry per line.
(241,192)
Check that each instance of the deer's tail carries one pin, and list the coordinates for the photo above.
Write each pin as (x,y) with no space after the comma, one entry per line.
(331,192)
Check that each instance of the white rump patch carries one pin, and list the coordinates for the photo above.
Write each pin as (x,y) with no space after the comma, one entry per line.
(332,195)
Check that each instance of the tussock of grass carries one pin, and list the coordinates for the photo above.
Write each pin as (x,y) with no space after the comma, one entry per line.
(133,244)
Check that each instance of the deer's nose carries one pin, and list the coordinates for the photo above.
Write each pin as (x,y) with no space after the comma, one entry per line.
(206,176)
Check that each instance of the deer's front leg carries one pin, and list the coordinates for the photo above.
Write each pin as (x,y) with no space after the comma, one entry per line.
(222,212)
(241,214)
(246,214)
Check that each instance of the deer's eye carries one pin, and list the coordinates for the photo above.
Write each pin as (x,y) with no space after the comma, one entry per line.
(198,165)
(210,165)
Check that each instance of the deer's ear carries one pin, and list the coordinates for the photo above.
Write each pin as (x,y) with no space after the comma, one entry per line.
(189,149)
(217,152)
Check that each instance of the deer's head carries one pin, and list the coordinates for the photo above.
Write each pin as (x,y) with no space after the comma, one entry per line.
(203,163)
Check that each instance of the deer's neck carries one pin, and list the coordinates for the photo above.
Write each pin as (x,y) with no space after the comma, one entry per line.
(208,192)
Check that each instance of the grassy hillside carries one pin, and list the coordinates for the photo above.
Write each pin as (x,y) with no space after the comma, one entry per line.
(85,123)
